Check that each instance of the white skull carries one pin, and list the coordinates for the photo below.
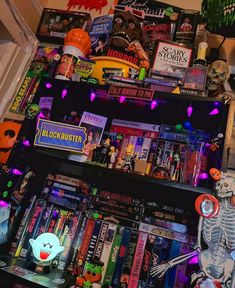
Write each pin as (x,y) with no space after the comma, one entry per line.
(225,187)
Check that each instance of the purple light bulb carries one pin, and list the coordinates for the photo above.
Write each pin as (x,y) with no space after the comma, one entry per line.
(153,104)
(64,93)
(213,112)
(122,99)
(189,110)
(48,85)
(92,96)
(16,172)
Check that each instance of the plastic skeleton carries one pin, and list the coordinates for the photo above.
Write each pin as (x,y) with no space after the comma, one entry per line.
(218,233)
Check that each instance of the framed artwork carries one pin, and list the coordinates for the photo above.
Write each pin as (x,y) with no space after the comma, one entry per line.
(195,78)
(171,57)
(187,27)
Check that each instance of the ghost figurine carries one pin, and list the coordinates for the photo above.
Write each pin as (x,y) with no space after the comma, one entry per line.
(45,247)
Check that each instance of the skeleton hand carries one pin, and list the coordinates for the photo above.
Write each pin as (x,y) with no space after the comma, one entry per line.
(228,96)
(160,270)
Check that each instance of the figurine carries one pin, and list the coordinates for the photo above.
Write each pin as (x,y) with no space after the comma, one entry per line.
(91,276)
(101,153)
(129,160)
(113,152)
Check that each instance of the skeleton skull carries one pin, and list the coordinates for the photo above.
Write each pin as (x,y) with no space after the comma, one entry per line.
(32,111)
(126,28)
(225,187)
(217,75)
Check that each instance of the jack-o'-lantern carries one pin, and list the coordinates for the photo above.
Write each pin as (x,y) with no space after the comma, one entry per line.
(215,174)
(8,134)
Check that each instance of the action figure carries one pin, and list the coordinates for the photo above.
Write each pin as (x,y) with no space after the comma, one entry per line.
(129,160)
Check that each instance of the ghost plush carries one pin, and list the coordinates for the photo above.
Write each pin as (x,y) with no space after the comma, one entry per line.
(46,246)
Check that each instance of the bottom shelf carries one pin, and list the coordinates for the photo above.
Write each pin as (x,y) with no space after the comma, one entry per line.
(16,273)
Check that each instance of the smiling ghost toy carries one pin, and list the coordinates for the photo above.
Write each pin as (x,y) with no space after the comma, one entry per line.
(45,247)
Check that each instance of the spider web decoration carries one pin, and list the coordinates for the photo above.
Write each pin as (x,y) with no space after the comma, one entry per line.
(89,5)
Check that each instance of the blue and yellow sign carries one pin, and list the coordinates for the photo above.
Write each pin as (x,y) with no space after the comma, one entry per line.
(60,136)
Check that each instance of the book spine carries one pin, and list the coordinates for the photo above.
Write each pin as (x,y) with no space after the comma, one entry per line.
(170,275)
(77,244)
(160,254)
(138,258)
(163,232)
(146,261)
(151,154)
(117,204)
(53,220)
(60,223)
(69,241)
(120,197)
(181,228)
(45,221)
(100,243)
(138,147)
(106,216)
(84,247)
(145,149)
(113,256)
(67,225)
(107,247)
(21,232)
(93,241)
(115,211)
(121,257)
(32,228)
(126,271)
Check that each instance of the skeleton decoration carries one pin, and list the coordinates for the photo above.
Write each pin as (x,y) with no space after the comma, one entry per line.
(217,75)
(126,28)
(218,232)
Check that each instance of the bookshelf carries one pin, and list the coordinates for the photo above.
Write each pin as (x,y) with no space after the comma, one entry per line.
(171,111)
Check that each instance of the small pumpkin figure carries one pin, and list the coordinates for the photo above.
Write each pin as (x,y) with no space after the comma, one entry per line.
(92,273)
(215,174)
(8,135)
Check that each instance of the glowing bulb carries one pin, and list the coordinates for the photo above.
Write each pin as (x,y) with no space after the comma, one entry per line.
(213,112)
(153,104)
(48,85)
(194,260)
(92,96)
(26,143)
(189,110)
(3,204)
(122,99)
(203,176)
(64,93)
(16,172)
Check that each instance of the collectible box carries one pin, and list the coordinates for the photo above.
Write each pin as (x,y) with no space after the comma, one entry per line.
(54,24)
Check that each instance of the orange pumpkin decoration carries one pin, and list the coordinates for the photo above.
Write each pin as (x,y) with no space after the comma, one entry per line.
(78,38)
(215,174)
(8,134)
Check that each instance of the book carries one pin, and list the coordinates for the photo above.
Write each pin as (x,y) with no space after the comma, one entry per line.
(99,33)
(121,257)
(32,228)
(137,262)
(21,232)
(107,247)
(94,125)
(113,256)
(4,219)
(126,271)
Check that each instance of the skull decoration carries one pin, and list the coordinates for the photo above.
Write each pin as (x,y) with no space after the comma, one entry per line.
(126,28)
(32,111)
(217,75)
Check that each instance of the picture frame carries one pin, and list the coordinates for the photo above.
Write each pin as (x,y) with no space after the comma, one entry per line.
(195,78)
(54,24)
(171,57)
(187,26)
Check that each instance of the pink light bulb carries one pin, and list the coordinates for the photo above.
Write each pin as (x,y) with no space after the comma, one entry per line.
(92,96)
(213,112)
(64,93)
(16,172)
(189,110)
(153,104)
(122,99)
